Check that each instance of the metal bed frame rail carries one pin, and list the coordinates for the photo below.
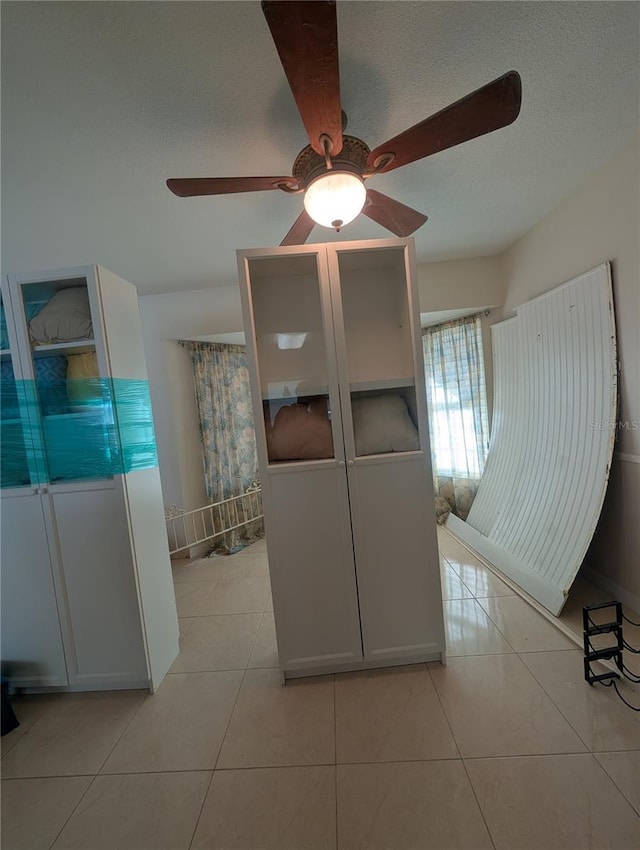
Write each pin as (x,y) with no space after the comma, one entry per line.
(192,528)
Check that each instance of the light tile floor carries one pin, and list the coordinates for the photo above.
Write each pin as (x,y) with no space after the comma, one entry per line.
(505,748)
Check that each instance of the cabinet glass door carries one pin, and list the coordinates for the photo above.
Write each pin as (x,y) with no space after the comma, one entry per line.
(377,344)
(14,461)
(74,404)
(292,357)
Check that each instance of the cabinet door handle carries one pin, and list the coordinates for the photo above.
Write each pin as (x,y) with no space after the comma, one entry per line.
(341,463)
(349,463)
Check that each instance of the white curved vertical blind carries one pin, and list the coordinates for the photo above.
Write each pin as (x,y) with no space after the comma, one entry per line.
(552,442)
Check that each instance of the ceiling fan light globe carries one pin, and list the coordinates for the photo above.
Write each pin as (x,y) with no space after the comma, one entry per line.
(336,196)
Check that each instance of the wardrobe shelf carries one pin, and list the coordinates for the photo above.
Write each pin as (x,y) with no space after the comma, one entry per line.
(384,384)
(286,390)
(81,346)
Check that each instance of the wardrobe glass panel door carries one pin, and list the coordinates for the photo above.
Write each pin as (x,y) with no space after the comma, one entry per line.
(14,462)
(74,403)
(378,349)
(292,357)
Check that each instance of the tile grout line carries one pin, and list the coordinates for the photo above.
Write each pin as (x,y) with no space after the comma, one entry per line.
(131,719)
(225,614)
(504,636)
(235,702)
(253,646)
(553,702)
(218,670)
(244,671)
(517,596)
(527,756)
(33,725)
(518,655)
(226,729)
(444,713)
(519,592)
(611,779)
(97,773)
(493,621)
(461,759)
(204,800)
(335,757)
(181,636)
(452,657)
(476,599)
(233,708)
(480,809)
(321,764)
(464,584)
(75,808)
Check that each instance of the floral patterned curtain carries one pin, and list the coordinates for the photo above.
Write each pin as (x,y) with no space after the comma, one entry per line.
(457,408)
(223,397)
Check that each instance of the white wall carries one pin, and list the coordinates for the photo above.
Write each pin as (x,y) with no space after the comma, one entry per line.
(469,285)
(166,318)
(464,284)
(600,221)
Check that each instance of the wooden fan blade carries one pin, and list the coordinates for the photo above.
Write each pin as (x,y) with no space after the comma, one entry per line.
(188,187)
(493,106)
(300,231)
(306,38)
(396,217)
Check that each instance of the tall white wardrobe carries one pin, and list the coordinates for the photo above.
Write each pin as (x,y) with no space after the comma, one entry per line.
(87,594)
(337,379)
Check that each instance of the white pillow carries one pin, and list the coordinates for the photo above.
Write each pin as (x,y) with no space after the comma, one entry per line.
(65,317)
(382,424)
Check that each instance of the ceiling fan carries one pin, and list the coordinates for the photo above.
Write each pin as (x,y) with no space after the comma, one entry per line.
(332,169)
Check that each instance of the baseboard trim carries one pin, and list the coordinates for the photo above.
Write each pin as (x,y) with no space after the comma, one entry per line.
(627,458)
(617,591)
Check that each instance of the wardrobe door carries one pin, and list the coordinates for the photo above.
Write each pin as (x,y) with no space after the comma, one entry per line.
(387,450)
(296,405)
(100,588)
(312,569)
(32,651)
(396,559)
(56,314)
(31,641)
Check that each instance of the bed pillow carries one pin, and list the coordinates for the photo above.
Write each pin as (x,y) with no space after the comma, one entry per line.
(65,317)
(301,432)
(4,334)
(82,373)
(382,424)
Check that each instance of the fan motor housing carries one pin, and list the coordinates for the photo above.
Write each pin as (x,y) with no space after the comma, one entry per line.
(309,164)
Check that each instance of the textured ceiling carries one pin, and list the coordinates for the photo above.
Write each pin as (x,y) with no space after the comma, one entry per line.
(101,102)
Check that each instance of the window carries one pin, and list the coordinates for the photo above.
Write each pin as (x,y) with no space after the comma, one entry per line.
(456,398)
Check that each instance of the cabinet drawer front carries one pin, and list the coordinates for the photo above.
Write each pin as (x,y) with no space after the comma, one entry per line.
(312,571)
